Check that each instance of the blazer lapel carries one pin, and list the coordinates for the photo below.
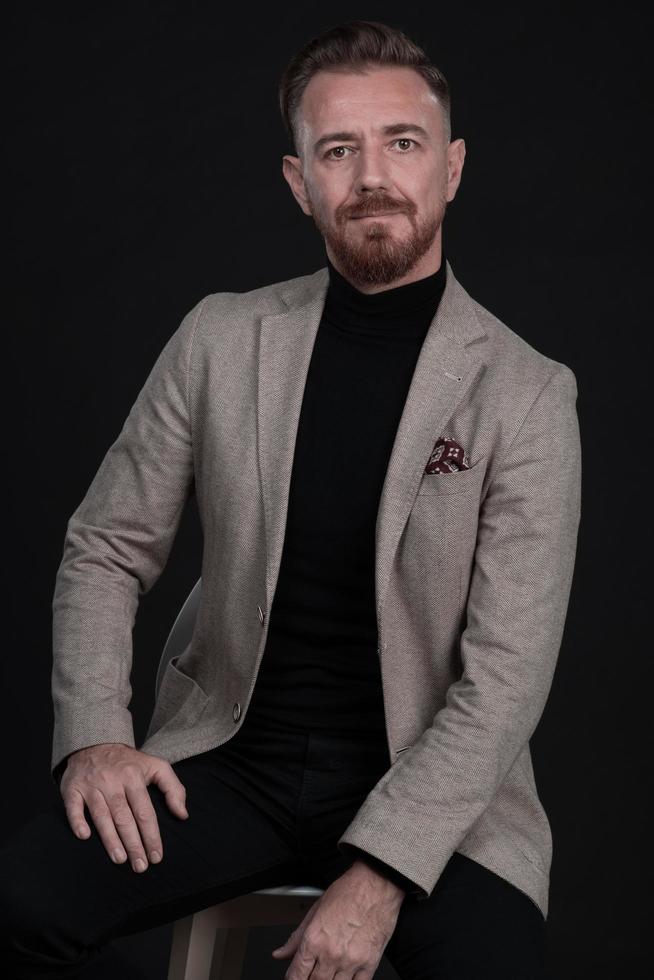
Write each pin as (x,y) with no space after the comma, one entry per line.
(444,373)
(285,346)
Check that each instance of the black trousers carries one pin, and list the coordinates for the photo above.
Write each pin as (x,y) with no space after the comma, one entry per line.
(265,809)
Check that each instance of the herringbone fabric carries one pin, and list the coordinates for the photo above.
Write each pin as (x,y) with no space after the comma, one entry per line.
(472,579)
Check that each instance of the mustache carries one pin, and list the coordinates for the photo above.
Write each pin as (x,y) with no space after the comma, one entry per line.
(379,205)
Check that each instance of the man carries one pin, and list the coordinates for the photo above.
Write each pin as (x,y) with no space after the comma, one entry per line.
(400,472)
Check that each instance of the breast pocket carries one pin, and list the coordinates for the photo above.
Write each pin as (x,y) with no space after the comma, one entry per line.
(459,481)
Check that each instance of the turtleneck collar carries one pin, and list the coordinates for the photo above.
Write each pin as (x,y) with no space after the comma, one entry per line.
(396,300)
(405,311)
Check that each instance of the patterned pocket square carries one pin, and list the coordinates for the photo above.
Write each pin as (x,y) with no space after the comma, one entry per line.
(447,457)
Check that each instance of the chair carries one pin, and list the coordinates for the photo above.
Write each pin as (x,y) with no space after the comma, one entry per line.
(211,944)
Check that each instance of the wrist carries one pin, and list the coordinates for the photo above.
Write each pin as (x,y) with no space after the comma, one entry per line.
(362,869)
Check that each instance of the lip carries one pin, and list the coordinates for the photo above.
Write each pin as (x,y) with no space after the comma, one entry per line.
(385,214)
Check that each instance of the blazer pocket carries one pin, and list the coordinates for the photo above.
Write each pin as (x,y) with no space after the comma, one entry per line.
(182,677)
(459,481)
(179,694)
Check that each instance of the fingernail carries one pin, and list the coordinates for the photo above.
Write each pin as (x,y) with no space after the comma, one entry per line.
(118,856)
(140,865)
(155,857)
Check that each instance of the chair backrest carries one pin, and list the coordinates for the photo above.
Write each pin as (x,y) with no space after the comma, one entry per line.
(181,632)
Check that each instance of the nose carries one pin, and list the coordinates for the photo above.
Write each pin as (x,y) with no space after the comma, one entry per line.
(372,171)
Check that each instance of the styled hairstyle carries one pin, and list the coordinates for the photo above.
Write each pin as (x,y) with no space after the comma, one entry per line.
(354,47)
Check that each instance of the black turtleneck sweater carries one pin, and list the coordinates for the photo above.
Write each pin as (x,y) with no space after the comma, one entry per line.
(320,668)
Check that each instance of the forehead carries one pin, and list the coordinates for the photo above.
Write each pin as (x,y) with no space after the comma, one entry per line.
(349,99)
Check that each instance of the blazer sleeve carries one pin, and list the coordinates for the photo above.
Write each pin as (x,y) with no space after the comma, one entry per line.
(116,545)
(421,809)
(411,889)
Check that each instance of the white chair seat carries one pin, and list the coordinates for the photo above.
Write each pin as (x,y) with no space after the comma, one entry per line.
(211,944)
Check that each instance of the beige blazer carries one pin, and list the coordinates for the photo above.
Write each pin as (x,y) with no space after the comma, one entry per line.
(472,578)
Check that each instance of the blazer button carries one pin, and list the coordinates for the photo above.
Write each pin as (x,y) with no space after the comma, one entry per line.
(262,614)
(237,711)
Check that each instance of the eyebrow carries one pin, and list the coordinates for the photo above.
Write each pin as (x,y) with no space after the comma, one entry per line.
(393,129)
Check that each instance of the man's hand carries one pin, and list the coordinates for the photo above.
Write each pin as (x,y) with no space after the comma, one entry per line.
(346,930)
(111,778)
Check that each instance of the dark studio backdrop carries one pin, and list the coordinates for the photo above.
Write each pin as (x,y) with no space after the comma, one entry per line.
(144,148)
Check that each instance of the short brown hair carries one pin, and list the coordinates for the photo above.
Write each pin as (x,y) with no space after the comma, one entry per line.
(354,46)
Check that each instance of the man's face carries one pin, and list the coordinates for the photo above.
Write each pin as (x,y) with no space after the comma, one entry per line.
(375,172)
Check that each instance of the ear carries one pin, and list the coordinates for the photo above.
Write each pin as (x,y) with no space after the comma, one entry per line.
(292,170)
(456,153)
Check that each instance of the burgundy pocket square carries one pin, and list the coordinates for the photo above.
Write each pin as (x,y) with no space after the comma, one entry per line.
(447,456)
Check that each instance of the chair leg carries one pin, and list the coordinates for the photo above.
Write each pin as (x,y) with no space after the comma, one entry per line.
(229,953)
(192,949)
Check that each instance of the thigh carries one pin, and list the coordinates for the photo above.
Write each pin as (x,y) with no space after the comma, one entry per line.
(474,924)
(62,898)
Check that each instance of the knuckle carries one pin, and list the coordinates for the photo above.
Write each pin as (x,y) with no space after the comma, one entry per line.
(142,813)
(71,803)
(96,803)
(116,798)
(103,775)
(134,778)
(122,817)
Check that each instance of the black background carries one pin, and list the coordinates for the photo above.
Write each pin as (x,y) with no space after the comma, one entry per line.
(144,145)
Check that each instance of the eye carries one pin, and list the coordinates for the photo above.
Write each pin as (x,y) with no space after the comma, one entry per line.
(400,139)
(335,148)
(404,139)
